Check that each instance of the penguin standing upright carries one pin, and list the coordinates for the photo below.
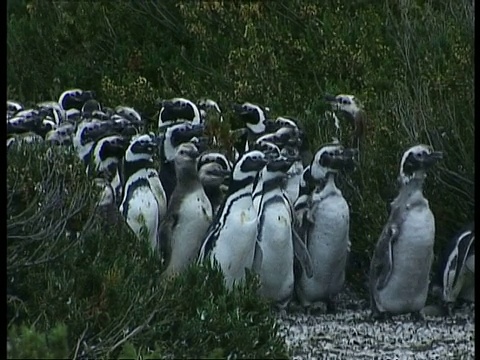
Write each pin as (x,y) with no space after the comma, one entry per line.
(254,117)
(212,176)
(402,259)
(230,240)
(274,253)
(87,133)
(189,214)
(325,228)
(455,276)
(174,136)
(139,205)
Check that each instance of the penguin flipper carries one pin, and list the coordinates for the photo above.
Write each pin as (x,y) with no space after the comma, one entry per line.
(258,257)
(382,261)
(302,254)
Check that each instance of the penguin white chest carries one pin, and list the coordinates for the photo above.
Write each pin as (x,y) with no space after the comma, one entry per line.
(235,246)
(328,242)
(195,215)
(274,261)
(412,255)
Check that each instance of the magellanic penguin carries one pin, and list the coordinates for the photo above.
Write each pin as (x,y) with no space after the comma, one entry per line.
(174,136)
(108,152)
(455,275)
(253,118)
(326,228)
(62,135)
(87,133)
(189,214)
(178,110)
(402,259)
(139,205)
(214,171)
(230,240)
(274,250)
(350,106)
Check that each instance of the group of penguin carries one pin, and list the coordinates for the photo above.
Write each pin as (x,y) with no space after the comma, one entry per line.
(264,203)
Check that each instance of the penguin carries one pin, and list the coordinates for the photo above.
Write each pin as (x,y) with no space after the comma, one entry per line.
(274,253)
(254,117)
(139,205)
(294,174)
(174,136)
(303,146)
(13,107)
(302,204)
(189,214)
(230,240)
(212,175)
(455,276)
(403,255)
(107,154)
(212,112)
(178,110)
(87,133)
(350,106)
(62,135)
(75,98)
(325,227)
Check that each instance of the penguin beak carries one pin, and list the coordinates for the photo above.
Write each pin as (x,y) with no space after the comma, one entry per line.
(433,158)
(330,98)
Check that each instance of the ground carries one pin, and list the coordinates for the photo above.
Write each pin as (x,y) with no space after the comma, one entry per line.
(350,334)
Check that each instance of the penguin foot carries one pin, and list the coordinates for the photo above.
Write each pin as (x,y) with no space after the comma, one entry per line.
(417,316)
(331,306)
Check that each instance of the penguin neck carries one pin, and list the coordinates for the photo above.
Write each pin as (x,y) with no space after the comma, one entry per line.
(131,167)
(214,194)
(415,183)
(187,177)
(273,184)
(245,184)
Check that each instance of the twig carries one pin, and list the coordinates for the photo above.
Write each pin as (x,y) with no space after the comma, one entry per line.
(77,348)
(134,332)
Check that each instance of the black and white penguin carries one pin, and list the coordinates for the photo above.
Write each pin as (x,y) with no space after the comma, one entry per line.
(62,135)
(75,98)
(139,205)
(230,240)
(455,276)
(402,259)
(107,153)
(274,252)
(86,135)
(174,136)
(351,108)
(325,227)
(253,118)
(189,214)
(13,107)
(214,170)
(178,110)
(212,118)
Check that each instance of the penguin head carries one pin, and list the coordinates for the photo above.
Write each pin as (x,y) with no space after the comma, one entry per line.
(130,114)
(180,133)
(21,124)
(212,174)
(330,159)
(248,165)
(13,107)
(291,152)
(288,122)
(62,135)
(209,104)
(345,103)
(416,161)
(176,109)
(73,115)
(254,116)
(74,98)
(287,136)
(216,157)
(90,131)
(268,148)
(90,108)
(112,146)
(186,157)
(277,168)
(201,142)
(141,147)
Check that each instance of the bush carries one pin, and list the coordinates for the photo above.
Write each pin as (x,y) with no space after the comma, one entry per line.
(102,289)
(410,62)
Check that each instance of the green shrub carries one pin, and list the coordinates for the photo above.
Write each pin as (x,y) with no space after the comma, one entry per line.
(409,62)
(104,285)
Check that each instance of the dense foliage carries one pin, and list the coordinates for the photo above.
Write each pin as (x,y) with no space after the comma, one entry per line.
(410,62)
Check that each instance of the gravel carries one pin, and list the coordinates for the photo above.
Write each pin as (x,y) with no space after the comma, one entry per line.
(350,334)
